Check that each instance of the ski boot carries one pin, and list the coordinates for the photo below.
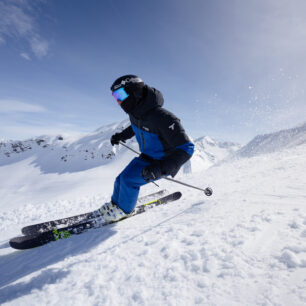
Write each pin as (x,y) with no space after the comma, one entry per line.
(112,212)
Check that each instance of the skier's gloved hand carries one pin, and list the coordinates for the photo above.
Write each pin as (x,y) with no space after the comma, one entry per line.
(116,138)
(151,173)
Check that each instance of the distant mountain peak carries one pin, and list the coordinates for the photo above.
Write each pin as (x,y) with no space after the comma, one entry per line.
(209,152)
(269,143)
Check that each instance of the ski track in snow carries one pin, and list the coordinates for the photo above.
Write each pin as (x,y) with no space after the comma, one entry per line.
(245,245)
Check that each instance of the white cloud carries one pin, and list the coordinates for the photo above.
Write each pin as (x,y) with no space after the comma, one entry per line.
(39,46)
(17,21)
(13,106)
(25,56)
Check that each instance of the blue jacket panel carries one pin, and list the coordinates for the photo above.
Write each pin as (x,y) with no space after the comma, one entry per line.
(149,143)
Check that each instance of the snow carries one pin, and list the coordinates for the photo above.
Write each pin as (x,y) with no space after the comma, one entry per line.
(245,245)
(275,141)
(209,152)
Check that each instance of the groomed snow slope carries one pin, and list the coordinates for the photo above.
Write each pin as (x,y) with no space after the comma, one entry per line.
(246,245)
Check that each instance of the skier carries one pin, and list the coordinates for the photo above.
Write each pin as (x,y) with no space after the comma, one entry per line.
(163,143)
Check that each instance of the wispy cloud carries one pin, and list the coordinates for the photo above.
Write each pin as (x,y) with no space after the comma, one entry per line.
(39,46)
(14,106)
(18,21)
(25,56)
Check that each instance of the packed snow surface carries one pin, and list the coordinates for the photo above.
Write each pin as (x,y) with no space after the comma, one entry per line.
(245,245)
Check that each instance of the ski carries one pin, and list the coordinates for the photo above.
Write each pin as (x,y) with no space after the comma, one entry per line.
(36,240)
(65,222)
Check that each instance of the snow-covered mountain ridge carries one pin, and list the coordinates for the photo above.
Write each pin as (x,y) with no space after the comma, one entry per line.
(209,152)
(65,153)
(274,142)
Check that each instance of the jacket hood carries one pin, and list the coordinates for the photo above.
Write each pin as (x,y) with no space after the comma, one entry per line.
(153,98)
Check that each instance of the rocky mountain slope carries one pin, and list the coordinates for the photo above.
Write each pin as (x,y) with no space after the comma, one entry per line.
(65,153)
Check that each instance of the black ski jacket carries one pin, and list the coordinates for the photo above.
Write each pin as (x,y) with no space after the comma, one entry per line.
(159,133)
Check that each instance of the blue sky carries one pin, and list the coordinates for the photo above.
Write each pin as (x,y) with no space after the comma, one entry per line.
(230,69)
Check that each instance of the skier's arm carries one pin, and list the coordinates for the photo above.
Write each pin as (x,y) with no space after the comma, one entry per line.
(127,133)
(122,136)
(174,134)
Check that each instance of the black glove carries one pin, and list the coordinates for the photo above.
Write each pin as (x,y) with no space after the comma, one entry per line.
(151,173)
(116,138)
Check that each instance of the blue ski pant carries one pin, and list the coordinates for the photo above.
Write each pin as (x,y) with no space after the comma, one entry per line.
(127,185)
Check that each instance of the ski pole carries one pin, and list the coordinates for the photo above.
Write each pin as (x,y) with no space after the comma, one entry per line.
(208,191)
(131,149)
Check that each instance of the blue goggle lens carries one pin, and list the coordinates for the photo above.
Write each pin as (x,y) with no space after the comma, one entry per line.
(120,94)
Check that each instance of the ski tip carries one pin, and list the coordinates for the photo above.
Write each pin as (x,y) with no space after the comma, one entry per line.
(29,242)
(17,243)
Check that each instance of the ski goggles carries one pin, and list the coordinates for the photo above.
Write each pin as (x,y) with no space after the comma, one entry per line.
(120,95)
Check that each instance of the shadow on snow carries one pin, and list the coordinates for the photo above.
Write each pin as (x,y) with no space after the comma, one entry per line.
(20,264)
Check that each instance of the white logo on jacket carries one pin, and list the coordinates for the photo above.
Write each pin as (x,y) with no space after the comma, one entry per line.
(172,126)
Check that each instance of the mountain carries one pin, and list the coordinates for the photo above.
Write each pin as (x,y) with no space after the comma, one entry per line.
(274,142)
(209,152)
(65,153)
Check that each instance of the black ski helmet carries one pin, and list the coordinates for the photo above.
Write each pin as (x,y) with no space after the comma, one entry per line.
(134,86)
(126,81)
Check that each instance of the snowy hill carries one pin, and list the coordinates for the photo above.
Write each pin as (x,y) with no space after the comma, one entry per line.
(209,152)
(65,153)
(273,142)
(245,245)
